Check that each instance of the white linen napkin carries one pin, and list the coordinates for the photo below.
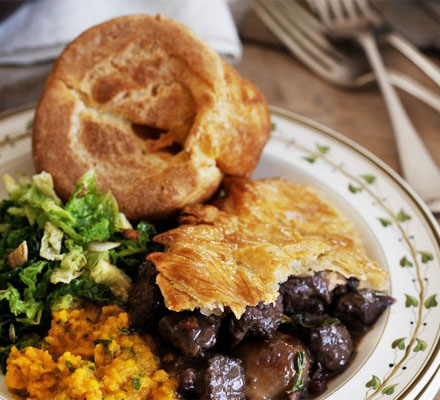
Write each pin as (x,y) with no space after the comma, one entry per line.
(39,30)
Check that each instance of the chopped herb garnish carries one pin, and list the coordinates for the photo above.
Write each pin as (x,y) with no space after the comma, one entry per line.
(300,362)
(70,366)
(135,383)
(131,350)
(95,321)
(105,343)
(123,330)
(299,320)
(330,321)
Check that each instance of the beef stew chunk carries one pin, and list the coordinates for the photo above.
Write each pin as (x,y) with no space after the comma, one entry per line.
(222,379)
(188,382)
(260,320)
(293,396)
(331,346)
(318,381)
(186,370)
(309,294)
(191,333)
(360,309)
(351,284)
(273,366)
(145,303)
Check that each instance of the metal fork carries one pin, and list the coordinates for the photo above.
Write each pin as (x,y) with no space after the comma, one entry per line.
(353,19)
(304,36)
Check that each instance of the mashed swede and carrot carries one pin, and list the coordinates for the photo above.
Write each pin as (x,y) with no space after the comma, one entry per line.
(89,353)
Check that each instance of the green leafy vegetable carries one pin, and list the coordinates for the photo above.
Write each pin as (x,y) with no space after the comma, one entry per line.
(132,252)
(51,242)
(59,268)
(108,274)
(96,214)
(26,307)
(72,266)
(65,295)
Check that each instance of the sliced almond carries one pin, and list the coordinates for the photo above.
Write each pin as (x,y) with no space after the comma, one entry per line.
(18,256)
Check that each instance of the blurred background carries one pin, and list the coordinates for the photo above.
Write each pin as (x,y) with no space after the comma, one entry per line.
(272,44)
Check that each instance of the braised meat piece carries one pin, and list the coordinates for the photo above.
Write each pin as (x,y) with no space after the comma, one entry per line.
(145,302)
(351,284)
(309,294)
(191,333)
(361,309)
(260,320)
(318,381)
(186,371)
(187,382)
(273,366)
(331,346)
(222,379)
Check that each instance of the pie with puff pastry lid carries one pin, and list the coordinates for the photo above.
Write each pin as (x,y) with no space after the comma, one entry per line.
(236,252)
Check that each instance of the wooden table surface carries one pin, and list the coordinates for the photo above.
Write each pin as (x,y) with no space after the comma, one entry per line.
(361,115)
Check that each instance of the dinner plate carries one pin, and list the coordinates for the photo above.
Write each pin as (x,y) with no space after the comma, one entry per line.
(399,357)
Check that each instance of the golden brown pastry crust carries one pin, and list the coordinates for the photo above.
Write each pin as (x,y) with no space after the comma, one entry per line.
(280,202)
(236,253)
(139,71)
(216,260)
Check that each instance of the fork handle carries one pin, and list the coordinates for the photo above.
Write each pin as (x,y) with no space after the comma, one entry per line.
(418,167)
(414,55)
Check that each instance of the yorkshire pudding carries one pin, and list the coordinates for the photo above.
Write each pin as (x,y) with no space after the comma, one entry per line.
(157,113)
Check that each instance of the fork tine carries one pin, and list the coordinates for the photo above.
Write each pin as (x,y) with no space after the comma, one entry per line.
(312,5)
(308,24)
(367,10)
(350,8)
(305,49)
(336,8)
(321,9)
(294,8)
(275,9)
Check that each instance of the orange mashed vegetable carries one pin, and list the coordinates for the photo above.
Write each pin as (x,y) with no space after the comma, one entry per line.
(89,354)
